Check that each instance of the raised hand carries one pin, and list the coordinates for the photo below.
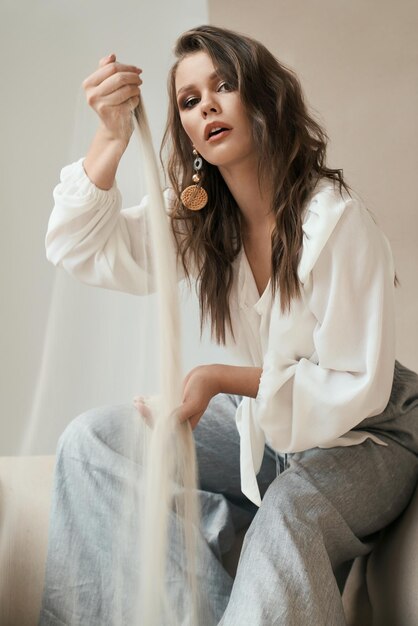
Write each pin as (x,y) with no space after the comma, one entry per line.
(113,93)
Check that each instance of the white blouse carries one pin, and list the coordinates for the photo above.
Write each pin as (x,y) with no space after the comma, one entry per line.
(327,364)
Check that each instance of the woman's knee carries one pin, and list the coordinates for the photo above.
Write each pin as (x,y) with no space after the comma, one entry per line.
(112,426)
(295,512)
(290,505)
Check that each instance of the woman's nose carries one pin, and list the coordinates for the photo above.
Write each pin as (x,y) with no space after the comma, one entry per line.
(209,106)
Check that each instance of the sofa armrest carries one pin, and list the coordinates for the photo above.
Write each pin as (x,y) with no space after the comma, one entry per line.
(392,571)
(25,493)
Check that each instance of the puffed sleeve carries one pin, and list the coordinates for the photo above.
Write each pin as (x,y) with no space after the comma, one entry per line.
(96,241)
(349,293)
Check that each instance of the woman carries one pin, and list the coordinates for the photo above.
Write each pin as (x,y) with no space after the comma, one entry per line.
(292,273)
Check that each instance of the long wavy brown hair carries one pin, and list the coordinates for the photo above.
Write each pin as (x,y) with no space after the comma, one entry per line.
(291,157)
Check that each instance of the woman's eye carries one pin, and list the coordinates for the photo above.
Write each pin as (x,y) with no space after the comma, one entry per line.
(225,87)
(190,102)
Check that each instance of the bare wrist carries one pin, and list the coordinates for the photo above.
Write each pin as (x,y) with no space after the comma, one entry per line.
(108,136)
(214,372)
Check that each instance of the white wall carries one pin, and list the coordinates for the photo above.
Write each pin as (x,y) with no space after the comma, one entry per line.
(67,347)
(358,63)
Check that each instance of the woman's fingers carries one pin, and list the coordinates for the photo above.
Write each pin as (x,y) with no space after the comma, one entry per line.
(132,103)
(143,409)
(116,82)
(113,92)
(107,59)
(112,78)
(189,412)
(193,420)
(116,98)
(182,413)
(107,70)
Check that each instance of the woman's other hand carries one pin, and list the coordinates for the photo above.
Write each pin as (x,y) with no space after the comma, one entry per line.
(113,93)
(199,387)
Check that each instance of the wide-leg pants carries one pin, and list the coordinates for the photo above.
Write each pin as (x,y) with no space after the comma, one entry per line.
(320,509)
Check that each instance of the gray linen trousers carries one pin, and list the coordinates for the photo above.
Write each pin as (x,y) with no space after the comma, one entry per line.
(321,508)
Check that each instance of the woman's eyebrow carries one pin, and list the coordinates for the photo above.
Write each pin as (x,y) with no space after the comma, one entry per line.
(192,86)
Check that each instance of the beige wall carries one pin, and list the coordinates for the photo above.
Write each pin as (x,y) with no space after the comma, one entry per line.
(358,63)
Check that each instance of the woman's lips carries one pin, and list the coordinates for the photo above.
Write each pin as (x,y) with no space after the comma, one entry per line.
(219,136)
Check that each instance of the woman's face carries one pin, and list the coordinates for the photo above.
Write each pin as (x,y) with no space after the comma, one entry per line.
(206,103)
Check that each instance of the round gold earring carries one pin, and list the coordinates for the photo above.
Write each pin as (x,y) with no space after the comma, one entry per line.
(194,197)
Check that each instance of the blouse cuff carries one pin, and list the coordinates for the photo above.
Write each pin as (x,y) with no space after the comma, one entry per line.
(76,184)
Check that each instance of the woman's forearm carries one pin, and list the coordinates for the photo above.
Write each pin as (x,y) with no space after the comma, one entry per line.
(103,158)
(242,381)
(113,93)
(205,381)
